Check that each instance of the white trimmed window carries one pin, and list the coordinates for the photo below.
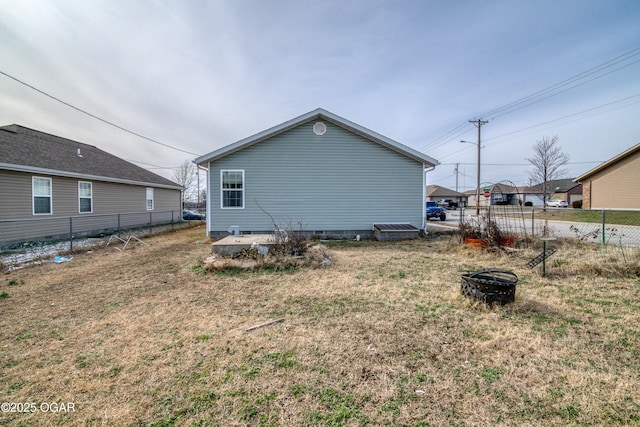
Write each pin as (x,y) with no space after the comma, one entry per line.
(85,197)
(149,199)
(41,190)
(232,189)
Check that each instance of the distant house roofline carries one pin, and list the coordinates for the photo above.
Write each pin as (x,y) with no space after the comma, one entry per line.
(434,190)
(32,151)
(608,163)
(562,185)
(317,114)
(501,187)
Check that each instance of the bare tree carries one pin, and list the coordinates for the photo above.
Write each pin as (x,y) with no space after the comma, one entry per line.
(547,161)
(185,175)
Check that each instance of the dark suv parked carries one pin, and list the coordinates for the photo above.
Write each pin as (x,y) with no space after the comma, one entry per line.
(435,211)
(448,204)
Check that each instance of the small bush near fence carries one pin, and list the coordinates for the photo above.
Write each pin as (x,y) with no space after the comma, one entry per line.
(596,226)
(603,242)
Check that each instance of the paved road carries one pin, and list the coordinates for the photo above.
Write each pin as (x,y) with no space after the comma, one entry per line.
(625,235)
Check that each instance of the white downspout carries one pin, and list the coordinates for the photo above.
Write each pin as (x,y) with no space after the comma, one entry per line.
(424,196)
(209,223)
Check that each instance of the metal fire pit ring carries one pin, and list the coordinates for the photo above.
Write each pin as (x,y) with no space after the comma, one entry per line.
(490,285)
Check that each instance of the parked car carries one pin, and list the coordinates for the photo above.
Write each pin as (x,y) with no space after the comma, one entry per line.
(191,215)
(448,204)
(435,211)
(557,204)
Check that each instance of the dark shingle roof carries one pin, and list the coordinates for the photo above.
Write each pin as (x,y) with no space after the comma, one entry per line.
(26,149)
(555,185)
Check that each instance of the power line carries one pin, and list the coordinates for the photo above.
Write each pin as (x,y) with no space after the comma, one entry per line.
(553,121)
(94,116)
(575,78)
(152,165)
(568,116)
(438,141)
(537,96)
(567,89)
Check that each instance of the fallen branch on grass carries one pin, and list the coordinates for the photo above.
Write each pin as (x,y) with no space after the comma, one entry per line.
(262,325)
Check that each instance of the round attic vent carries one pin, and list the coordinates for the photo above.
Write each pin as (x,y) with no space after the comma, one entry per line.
(319,128)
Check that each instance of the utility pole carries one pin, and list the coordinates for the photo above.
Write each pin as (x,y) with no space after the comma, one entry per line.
(456,171)
(478,124)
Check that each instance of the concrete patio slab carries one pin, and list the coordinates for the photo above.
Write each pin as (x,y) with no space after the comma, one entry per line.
(231,245)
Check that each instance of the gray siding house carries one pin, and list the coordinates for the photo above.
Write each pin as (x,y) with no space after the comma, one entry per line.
(317,172)
(43,176)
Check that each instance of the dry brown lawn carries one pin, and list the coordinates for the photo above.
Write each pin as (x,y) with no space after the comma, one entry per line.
(145,337)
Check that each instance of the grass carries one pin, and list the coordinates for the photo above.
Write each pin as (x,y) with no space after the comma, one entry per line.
(586,215)
(382,337)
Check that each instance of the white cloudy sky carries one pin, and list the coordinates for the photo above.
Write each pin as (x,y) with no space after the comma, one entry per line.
(199,75)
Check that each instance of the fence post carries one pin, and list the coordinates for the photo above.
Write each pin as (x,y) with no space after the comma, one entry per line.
(118,225)
(150,222)
(70,234)
(533,221)
(603,228)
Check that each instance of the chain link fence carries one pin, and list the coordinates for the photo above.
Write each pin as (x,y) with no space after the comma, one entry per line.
(606,227)
(604,240)
(18,234)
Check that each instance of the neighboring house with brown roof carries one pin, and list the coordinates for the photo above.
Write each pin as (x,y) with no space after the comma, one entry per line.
(615,184)
(559,189)
(437,192)
(47,176)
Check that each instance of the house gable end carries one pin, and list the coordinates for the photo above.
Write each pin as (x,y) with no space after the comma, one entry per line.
(611,162)
(332,181)
(313,116)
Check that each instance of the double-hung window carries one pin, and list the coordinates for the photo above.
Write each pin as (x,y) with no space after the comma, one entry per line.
(41,191)
(149,199)
(85,197)
(232,189)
